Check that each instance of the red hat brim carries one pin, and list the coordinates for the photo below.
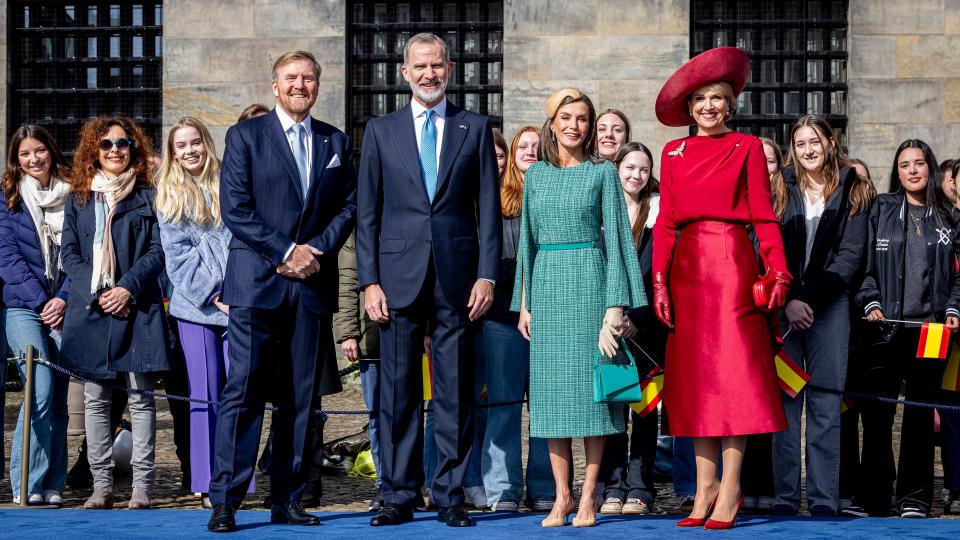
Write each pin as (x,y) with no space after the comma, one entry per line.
(723,64)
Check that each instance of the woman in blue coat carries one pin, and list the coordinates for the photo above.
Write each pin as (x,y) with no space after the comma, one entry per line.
(35,187)
(115,329)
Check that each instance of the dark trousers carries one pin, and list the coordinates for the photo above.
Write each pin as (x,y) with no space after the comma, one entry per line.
(630,476)
(401,396)
(950,449)
(273,356)
(850,471)
(757,473)
(895,364)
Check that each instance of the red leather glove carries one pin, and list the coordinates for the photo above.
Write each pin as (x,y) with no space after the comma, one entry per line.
(778,297)
(661,299)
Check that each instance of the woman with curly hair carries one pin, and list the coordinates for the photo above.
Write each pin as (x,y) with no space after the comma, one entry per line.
(36,185)
(112,253)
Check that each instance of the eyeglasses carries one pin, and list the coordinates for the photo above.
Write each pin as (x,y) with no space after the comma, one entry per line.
(121,144)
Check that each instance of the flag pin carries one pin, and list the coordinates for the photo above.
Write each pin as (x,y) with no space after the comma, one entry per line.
(463,126)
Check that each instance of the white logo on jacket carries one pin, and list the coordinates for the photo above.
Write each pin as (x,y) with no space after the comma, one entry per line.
(944,236)
(883,244)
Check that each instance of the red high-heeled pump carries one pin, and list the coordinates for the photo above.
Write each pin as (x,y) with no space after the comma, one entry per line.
(698,522)
(715,525)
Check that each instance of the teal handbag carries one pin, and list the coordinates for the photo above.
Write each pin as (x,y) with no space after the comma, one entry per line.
(616,380)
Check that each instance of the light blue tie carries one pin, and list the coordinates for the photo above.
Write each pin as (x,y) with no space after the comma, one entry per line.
(428,154)
(300,156)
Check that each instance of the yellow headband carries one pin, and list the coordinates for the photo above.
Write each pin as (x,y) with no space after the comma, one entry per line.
(553,103)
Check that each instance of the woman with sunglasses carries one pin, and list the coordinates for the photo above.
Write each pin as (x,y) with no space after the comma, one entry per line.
(115,330)
(36,185)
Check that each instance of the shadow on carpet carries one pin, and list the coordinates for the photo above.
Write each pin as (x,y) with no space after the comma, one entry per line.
(254,524)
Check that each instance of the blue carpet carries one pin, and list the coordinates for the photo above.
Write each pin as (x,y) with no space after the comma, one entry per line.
(168,524)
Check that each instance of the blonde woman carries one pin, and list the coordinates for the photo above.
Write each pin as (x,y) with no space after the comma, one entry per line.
(195,245)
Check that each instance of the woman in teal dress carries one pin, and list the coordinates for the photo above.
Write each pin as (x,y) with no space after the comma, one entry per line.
(571,295)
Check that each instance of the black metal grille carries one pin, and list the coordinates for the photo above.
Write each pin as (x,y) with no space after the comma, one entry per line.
(798,49)
(376,34)
(70,61)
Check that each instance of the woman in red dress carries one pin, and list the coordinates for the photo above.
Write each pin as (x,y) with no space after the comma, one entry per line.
(721,383)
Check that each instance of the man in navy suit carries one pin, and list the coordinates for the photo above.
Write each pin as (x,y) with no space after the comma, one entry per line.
(288,195)
(428,249)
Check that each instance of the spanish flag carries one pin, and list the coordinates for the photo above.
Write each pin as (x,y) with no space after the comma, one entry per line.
(427,369)
(846,404)
(934,341)
(951,375)
(651,390)
(792,377)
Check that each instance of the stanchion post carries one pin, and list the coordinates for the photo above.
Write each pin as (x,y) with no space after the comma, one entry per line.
(27,413)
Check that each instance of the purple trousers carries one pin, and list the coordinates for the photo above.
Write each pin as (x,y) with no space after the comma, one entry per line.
(205,352)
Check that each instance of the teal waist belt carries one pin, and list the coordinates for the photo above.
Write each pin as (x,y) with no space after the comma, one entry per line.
(578,245)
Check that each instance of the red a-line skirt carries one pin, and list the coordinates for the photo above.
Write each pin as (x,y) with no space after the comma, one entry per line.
(720,375)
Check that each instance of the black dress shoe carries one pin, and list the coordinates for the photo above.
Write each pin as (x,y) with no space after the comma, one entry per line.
(455,516)
(391,515)
(293,514)
(223,519)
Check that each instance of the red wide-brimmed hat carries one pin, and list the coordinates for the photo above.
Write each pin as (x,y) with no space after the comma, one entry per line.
(723,64)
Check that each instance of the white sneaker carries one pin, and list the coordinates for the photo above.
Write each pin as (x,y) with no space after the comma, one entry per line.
(613,505)
(51,496)
(505,506)
(34,498)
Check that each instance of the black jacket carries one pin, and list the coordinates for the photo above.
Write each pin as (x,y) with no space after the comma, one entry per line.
(883,280)
(837,256)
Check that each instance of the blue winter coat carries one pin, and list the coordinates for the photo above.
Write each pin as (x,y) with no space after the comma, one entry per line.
(97,345)
(21,261)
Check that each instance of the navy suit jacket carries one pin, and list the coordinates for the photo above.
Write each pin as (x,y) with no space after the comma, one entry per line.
(263,206)
(398,228)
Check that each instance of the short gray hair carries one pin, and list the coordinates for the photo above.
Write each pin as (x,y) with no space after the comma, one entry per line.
(425,37)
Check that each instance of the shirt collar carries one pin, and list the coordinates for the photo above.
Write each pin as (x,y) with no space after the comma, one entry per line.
(286,122)
(440,108)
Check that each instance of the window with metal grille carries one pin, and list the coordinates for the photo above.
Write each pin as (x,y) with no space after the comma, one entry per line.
(376,34)
(71,61)
(798,49)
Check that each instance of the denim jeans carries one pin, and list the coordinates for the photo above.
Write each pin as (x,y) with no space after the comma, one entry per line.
(684,468)
(3,386)
(48,433)
(143,415)
(507,363)
(821,351)
(370,385)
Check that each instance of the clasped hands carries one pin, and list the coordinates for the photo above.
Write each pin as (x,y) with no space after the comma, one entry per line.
(302,262)
(115,302)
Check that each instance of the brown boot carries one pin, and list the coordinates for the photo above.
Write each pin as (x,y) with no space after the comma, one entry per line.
(140,499)
(101,499)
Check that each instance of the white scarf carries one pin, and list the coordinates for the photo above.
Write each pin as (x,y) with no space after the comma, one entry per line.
(46,209)
(107,193)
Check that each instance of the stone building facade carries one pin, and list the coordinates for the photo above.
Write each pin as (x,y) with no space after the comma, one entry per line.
(903,74)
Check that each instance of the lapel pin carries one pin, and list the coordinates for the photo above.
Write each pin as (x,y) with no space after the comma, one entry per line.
(325,140)
(679,150)
(463,126)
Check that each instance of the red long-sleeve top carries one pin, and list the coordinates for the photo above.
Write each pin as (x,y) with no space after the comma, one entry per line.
(716,178)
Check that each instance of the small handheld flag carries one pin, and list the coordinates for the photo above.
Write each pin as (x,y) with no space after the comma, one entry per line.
(427,370)
(792,377)
(846,404)
(951,375)
(934,341)
(651,390)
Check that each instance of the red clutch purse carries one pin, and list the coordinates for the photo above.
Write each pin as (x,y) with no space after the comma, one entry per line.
(763,291)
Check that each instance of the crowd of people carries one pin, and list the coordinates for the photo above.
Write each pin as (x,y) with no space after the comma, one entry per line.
(516,266)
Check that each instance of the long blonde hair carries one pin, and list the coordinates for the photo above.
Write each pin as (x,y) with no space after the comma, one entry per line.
(179,194)
(777,186)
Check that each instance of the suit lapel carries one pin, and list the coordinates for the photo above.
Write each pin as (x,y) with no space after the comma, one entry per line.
(454,133)
(278,141)
(405,136)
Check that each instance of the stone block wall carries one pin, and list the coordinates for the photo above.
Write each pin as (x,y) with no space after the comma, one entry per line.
(218,56)
(618,52)
(904,79)
(3,81)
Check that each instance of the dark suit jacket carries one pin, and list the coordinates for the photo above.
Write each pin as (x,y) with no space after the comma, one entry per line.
(262,205)
(398,228)
(97,345)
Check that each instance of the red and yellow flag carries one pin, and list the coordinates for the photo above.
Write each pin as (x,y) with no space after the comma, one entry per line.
(427,371)
(951,375)
(651,390)
(934,341)
(792,377)
(846,404)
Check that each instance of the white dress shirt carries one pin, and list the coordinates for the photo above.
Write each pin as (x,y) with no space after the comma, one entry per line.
(420,116)
(287,123)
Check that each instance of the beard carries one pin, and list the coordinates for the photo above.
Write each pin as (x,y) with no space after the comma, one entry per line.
(428,97)
(296,106)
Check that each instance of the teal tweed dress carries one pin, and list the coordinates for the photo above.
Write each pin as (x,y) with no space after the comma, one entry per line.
(569,290)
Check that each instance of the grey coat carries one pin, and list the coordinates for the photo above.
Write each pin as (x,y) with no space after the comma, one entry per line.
(196,257)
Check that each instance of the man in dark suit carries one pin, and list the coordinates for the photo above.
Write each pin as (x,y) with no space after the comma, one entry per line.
(288,195)
(428,249)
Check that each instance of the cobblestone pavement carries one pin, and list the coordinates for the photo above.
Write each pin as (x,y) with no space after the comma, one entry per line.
(340,493)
